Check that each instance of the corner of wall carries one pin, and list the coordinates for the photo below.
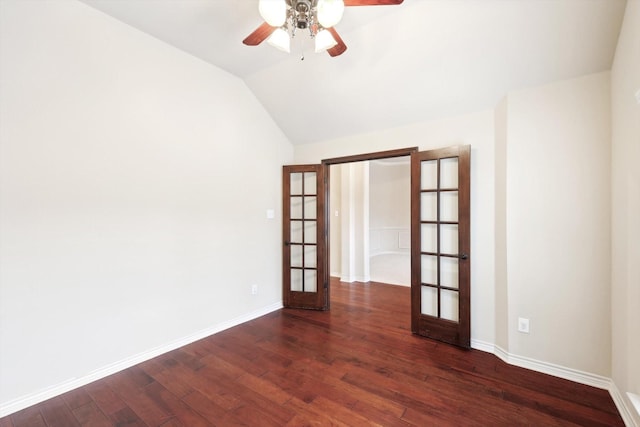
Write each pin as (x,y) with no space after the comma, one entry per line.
(501,291)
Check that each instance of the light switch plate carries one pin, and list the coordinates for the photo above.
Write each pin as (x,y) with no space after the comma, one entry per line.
(271,214)
(523,325)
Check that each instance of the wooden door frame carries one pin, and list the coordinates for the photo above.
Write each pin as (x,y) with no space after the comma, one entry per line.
(326,163)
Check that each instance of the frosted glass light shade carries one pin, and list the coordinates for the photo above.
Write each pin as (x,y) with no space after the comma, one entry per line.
(324,41)
(274,12)
(280,39)
(330,12)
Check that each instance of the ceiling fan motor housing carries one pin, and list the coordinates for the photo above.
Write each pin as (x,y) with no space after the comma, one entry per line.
(284,17)
(301,11)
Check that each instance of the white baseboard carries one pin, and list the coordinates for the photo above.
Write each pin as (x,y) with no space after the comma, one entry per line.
(23,402)
(483,346)
(571,374)
(562,372)
(351,279)
(624,410)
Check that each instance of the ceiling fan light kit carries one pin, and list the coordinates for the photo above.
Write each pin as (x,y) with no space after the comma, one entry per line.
(280,40)
(284,17)
(274,12)
(330,12)
(324,41)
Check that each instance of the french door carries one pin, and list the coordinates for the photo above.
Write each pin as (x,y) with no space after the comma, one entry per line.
(304,260)
(440,239)
(440,244)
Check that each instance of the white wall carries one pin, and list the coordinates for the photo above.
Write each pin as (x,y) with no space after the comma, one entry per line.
(390,220)
(557,211)
(476,129)
(335,221)
(625,190)
(389,204)
(354,222)
(390,196)
(133,196)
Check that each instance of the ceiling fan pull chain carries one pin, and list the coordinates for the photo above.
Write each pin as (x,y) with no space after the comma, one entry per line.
(301,43)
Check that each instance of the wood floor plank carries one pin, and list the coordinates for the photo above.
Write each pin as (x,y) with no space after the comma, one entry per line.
(210,410)
(209,387)
(309,414)
(181,412)
(126,417)
(77,398)
(30,417)
(265,387)
(56,413)
(106,399)
(91,415)
(357,364)
(174,382)
(128,386)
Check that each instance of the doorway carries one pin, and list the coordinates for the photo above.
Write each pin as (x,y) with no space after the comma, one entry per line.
(370,221)
(439,238)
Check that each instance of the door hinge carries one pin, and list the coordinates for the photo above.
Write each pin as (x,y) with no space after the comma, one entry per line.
(326,285)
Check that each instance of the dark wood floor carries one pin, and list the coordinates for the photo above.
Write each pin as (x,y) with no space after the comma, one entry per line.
(355,365)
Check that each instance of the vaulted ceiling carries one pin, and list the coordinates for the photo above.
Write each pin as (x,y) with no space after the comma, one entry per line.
(419,61)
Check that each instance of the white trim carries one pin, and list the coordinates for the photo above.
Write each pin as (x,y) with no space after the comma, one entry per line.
(574,375)
(352,279)
(483,346)
(40,396)
(562,372)
(397,161)
(392,227)
(621,404)
(403,253)
(571,374)
(635,401)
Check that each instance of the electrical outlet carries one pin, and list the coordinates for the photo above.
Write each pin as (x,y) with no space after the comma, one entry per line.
(523,325)
(254,289)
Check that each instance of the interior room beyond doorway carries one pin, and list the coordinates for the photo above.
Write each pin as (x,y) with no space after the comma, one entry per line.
(369,217)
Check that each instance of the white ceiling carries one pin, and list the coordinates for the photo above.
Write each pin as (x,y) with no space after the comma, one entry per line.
(418,61)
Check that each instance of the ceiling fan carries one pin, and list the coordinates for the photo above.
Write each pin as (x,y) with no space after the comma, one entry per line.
(284,17)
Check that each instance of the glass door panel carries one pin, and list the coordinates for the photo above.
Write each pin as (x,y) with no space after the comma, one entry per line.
(448,173)
(303,234)
(448,206)
(429,206)
(440,221)
(429,237)
(429,175)
(429,301)
(449,238)
(449,272)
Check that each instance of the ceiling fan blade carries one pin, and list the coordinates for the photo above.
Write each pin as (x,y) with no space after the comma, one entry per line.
(259,35)
(372,2)
(340,47)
